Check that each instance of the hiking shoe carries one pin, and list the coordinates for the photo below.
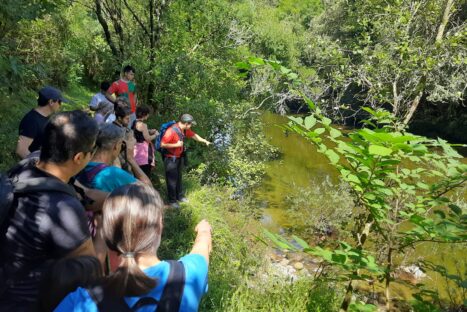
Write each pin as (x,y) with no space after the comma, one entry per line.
(175,205)
(183,200)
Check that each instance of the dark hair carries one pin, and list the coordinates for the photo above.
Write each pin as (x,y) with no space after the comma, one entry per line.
(64,276)
(42,101)
(67,134)
(142,111)
(132,224)
(121,108)
(109,135)
(128,68)
(105,85)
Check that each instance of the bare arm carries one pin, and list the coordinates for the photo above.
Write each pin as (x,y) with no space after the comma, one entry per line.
(141,126)
(22,147)
(203,241)
(196,137)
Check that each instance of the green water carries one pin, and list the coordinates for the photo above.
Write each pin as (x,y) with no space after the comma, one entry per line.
(299,166)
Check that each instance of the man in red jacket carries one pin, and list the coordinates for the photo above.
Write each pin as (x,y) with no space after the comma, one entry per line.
(172,141)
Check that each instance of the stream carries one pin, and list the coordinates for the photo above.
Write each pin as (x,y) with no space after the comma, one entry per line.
(300,165)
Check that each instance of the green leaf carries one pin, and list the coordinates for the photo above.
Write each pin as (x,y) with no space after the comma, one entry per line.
(278,240)
(256,61)
(309,102)
(326,121)
(456,209)
(297,120)
(310,122)
(334,133)
(285,70)
(319,131)
(333,157)
(243,65)
(301,242)
(379,150)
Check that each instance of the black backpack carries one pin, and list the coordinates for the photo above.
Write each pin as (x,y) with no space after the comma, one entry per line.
(170,301)
(10,190)
(13,188)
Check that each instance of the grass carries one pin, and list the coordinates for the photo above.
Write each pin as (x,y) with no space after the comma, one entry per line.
(240,275)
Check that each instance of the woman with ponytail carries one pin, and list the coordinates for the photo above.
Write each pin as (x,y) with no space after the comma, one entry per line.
(132,227)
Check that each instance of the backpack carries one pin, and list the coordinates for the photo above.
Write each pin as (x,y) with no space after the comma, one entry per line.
(12,188)
(162,131)
(170,300)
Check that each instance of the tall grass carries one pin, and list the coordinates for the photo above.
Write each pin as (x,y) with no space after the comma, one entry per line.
(241,277)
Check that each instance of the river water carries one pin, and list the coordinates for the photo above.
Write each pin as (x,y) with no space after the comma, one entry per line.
(299,166)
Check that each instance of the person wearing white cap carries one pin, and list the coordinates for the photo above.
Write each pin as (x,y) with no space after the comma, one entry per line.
(172,143)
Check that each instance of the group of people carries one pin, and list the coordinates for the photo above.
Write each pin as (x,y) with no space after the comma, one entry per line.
(85,223)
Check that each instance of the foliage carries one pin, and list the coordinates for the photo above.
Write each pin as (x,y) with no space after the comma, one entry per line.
(321,209)
(391,54)
(397,180)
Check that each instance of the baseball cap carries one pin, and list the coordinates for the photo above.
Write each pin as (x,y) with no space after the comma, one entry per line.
(187,118)
(50,93)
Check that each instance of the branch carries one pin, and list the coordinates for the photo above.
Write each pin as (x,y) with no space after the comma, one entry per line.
(256,108)
(136,17)
(444,20)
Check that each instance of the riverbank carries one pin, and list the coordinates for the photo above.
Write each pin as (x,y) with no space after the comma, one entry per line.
(242,275)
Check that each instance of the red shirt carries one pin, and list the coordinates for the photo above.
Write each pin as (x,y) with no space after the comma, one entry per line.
(171,137)
(126,89)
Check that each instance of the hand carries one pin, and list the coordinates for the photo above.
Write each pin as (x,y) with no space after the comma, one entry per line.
(207,142)
(179,144)
(203,226)
(145,179)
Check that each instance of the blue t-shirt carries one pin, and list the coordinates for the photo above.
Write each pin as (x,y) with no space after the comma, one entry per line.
(196,278)
(109,178)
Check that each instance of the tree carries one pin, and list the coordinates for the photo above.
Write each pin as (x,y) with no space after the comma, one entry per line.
(391,54)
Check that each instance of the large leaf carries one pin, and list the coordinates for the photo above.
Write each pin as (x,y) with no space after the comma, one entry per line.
(379,150)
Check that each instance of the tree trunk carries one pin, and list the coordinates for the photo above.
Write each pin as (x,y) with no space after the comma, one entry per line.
(362,237)
(444,20)
(152,53)
(105,28)
(388,279)
(439,38)
(413,108)
(156,11)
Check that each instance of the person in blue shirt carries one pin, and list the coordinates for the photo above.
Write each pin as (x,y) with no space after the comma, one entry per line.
(100,173)
(132,227)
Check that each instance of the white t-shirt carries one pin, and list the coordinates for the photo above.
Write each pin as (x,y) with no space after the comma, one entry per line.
(96,99)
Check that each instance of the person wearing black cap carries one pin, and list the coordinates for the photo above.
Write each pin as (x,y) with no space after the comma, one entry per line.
(172,142)
(32,125)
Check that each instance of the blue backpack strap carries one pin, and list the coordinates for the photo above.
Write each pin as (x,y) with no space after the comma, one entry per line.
(181,136)
(86,177)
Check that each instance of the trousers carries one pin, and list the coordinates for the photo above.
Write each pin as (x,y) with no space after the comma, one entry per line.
(173,178)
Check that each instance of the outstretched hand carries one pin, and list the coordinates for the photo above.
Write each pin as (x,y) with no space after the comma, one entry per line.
(203,226)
